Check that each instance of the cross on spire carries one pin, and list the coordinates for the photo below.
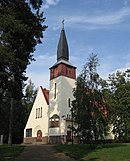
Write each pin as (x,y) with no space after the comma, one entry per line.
(62,50)
(63,23)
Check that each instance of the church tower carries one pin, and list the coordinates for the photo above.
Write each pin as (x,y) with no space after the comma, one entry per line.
(62,82)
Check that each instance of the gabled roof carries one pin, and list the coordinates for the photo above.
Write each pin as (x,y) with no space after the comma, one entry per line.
(46,94)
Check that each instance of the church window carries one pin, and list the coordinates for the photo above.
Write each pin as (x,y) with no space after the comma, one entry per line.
(55,91)
(41,111)
(66,71)
(69,103)
(38,112)
(29,132)
(54,121)
(68,117)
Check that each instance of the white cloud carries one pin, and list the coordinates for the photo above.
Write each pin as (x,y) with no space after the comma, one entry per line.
(126,2)
(49,3)
(91,22)
(103,19)
(107,66)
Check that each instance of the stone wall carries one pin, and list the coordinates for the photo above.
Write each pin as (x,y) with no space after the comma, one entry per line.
(33,140)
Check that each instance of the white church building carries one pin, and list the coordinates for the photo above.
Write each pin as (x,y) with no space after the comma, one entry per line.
(50,117)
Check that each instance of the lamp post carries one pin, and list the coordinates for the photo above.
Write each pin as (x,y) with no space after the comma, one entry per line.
(1,136)
(64,136)
(72,127)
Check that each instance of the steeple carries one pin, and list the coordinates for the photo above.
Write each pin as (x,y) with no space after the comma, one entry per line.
(62,50)
(62,67)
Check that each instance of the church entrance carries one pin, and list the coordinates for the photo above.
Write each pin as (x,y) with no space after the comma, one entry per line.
(68,138)
(39,136)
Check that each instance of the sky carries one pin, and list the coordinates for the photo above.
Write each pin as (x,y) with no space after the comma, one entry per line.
(101,27)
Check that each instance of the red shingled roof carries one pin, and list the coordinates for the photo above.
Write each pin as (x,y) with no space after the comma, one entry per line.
(46,94)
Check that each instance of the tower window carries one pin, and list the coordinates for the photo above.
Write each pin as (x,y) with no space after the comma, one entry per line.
(55,91)
(69,103)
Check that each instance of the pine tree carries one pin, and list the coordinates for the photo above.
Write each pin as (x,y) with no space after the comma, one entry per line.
(22,110)
(29,97)
(21,29)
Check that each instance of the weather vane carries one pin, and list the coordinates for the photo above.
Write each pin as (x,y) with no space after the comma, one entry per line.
(63,23)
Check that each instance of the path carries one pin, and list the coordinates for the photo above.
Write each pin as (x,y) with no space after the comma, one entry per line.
(41,153)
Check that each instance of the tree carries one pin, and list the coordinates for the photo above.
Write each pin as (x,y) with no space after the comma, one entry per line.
(89,110)
(22,110)
(29,97)
(21,29)
(119,85)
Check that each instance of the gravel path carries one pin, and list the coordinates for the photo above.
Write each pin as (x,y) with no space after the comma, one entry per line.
(41,153)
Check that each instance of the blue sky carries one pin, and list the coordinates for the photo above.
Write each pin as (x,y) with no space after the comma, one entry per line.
(101,27)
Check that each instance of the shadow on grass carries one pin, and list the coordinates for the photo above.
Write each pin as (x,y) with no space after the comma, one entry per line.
(8,153)
(93,159)
(81,151)
(112,145)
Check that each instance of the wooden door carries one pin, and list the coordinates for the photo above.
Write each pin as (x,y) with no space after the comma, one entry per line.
(39,135)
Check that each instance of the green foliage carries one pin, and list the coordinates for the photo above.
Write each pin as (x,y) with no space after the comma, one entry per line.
(21,29)
(89,110)
(119,85)
(28,99)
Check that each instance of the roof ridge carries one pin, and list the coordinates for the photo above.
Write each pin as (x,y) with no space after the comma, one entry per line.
(46,95)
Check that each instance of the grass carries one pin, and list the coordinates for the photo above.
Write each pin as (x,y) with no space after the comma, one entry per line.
(106,152)
(8,153)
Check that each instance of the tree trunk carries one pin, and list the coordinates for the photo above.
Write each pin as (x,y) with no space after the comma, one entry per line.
(10,122)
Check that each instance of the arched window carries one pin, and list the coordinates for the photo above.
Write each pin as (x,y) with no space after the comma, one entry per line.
(54,121)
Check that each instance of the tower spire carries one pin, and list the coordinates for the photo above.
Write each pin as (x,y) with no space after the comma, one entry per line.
(62,50)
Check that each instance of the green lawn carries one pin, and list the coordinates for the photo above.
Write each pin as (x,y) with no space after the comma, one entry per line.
(8,153)
(106,152)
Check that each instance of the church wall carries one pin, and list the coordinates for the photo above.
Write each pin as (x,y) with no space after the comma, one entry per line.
(59,105)
(38,119)
(66,93)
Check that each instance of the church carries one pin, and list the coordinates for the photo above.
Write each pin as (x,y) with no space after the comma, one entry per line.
(50,118)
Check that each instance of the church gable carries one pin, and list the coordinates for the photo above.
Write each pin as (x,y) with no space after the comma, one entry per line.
(37,123)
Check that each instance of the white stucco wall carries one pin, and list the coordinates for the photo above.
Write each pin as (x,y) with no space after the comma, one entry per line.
(38,123)
(59,105)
